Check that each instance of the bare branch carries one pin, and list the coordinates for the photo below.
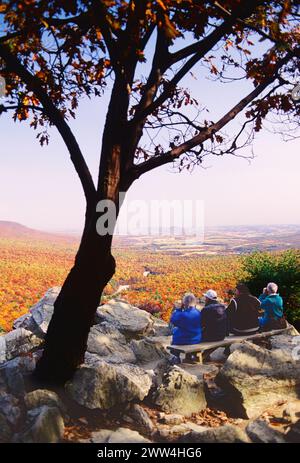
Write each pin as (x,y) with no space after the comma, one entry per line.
(199,49)
(208,132)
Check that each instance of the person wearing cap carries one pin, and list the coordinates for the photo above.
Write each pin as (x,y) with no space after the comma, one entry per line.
(213,318)
(243,312)
(272,304)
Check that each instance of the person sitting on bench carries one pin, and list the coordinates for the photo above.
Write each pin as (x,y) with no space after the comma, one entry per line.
(243,312)
(272,304)
(213,318)
(186,321)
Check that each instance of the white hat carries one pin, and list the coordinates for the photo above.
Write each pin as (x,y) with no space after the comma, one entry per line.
(211,294)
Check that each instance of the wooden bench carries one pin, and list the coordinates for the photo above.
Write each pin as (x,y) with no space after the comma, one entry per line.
(199,349)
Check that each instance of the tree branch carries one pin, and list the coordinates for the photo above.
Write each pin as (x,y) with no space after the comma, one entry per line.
(55,117)
(175,153)
(199,49)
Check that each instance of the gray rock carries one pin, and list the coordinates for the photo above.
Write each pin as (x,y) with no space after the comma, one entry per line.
(12,374)
(180,392)
(125,435)
(17,342)
(227,434)
(43,425)
(171,419)
(38,319)
(218,355)
(5,429)
(140,417)
(148,350)
(10,409)
(200,370)
(287,343)
(180,430)
(260,431)
(160,328)
(104,385)
(119,436)
(128,319)
(107,342)
(256,378)
(41,397)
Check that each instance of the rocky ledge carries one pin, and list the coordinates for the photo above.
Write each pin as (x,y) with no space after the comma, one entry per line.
(128,389)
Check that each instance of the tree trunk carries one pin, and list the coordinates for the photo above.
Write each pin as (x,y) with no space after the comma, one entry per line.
(75,307)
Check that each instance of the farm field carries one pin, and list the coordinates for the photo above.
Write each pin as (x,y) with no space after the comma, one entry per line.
(30,264)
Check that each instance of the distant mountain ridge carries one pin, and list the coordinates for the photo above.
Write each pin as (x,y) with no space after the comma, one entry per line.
(10,229)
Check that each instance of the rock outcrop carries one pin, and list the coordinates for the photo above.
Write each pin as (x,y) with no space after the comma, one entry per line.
(128,319)
(180,392)
(104,385)
(256,378)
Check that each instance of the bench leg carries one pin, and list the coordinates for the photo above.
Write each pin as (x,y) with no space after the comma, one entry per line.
(199,357)
(191,358)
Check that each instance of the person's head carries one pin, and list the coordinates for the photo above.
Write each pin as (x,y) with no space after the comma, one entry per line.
(188,300)
(210,296)
(272,288)
(241,288)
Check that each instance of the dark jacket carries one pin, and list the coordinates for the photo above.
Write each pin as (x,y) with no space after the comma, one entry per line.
(187,326)
(242,313)
(214,321)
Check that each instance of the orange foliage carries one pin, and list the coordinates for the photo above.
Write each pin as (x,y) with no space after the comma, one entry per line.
(29,269)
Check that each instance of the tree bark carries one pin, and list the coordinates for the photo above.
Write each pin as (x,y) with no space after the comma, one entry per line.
(75,307)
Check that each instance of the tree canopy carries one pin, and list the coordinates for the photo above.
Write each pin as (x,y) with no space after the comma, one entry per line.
(54,52)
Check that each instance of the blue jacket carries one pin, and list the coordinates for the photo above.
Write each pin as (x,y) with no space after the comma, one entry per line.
(272,305)
(187,326)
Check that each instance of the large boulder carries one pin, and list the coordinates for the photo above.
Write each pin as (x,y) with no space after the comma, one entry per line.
(105,385)
(17,342)
(43,425)
(128,319)
(180,392)
(256,378)
(107,342)
(149,350)
(38,319)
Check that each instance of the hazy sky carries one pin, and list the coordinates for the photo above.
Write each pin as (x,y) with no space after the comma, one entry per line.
(39,187)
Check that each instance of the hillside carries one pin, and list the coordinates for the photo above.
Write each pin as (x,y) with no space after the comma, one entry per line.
(14,230)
